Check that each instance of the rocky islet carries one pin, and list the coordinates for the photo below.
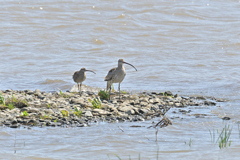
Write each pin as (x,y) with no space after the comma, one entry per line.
(36,108)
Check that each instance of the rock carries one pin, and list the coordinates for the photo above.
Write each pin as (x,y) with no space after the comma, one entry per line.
(138,118)
(220,100)
(136,102)
(14,126)
(143,111)
(209,103)
(2,107)
(200,98)
(77,101)
(82,125)
(32,121)
(124,108)
(156,100)
(178,105)
(37,91)
(176,95)
(24,109)
(130,112)
(114,110)
(88,114)
(144,99)
(101,112)
(143,104)
(226,118)
(33,110)
(29,92)
(7,123)
(168,93)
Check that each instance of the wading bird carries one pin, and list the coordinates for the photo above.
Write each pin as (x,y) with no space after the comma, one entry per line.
(116,75)
(80,76)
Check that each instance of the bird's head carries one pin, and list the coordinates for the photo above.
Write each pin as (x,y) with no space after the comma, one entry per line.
(85,70)
(121,61)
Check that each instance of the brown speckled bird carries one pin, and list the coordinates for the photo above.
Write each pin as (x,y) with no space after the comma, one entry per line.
(116,75)
(80,76)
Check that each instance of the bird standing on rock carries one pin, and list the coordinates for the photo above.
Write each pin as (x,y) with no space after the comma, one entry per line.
(116,75)
(80,76)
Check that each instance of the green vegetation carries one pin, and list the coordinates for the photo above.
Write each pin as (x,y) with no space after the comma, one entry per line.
(212,134)
(65,113)
(10,106)
(77,112)
(113,90)
(14,102)
(96,103)
(24,113)
(223,138)
(238,130)
(44,117)
(165,94)
(104,95)
(139,156)
(62,94)
(190,142)
(123,92)
(2,100)
(55,120)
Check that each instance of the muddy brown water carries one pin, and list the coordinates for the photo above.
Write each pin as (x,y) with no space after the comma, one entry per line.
(189,48)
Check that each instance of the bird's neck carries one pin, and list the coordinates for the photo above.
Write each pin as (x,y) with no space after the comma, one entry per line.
(120,66)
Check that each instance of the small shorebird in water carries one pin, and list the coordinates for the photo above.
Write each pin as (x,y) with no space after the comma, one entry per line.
(116,75)
(80,76)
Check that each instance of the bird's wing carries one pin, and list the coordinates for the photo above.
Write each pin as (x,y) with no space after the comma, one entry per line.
(75,75)
(110,74)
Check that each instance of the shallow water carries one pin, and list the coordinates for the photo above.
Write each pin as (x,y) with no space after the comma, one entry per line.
(188,47)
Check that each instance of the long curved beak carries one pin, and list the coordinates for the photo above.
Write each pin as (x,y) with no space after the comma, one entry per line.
(130,65)
(90,71)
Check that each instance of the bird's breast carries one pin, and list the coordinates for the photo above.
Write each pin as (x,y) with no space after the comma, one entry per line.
(118,76)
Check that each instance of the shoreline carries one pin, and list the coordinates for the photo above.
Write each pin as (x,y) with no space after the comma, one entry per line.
(36,108)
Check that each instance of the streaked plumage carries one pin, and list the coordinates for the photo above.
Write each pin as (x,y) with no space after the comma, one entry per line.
(116,75)
(80,76)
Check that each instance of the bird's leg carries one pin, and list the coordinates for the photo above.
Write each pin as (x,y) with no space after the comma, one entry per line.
(80,92)
(110,92)
(78,86)
(119,90)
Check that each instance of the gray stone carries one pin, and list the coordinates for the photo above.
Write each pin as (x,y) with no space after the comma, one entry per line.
(124,108)
(143,111)
(168,93)
(14,126)
(29,92)
(156,100)
(178,104)
(143,104)
(101,112)
(144,99)
(200,98)
(209,103)
(226,118)
(77,101)
(33,110)
(130,112)
(88,114)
